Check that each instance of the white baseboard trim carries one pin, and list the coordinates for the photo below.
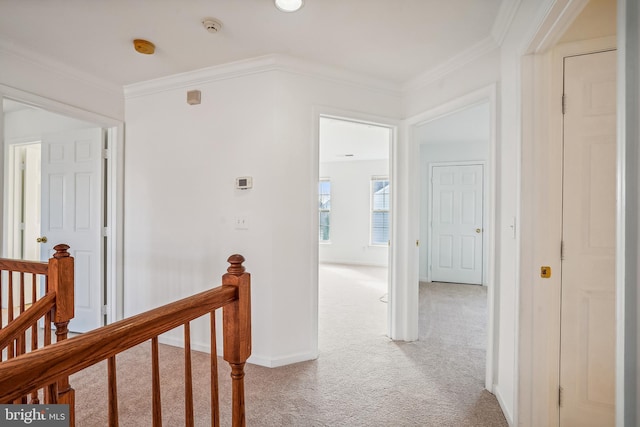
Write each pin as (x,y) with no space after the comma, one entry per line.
(254,359)
(354,263)
(505,411)
(179,342)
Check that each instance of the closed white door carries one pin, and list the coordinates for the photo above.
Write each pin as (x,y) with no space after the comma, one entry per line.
(456,223)
(587,348)
(71,213)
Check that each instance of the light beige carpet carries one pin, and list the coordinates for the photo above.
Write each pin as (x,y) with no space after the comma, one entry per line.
(361,378)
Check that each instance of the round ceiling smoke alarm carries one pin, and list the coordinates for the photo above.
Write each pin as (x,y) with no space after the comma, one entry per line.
(212,25)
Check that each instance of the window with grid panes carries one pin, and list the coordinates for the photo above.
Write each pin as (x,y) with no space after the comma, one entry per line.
(380,211)
(324,209)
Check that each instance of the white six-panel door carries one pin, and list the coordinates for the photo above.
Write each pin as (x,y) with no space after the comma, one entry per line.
(71,213)
(456,223)
(587,348)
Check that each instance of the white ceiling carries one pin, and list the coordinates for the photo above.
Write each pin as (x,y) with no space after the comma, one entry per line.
(394,40)
(343,140)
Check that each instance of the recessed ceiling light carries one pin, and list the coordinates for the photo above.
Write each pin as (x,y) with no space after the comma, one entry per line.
(289,5)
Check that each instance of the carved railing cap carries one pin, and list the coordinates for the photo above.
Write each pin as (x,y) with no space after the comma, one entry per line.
(236,266)
(61,251)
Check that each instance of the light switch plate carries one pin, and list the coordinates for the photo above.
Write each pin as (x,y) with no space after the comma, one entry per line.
(241,223)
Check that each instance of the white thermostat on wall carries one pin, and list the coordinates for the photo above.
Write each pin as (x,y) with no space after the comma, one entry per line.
(244,183)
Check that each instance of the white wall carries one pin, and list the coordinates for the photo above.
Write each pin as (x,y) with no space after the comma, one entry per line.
(31,124)
(181,163)
(31,75)
(480,73)
(350,213)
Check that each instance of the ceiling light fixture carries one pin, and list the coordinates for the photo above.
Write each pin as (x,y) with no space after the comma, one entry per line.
(288,5)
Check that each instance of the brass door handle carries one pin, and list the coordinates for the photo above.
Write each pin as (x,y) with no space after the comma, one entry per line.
(42,239)
(478,230)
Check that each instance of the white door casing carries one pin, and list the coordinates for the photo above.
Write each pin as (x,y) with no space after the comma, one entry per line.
(71,213)
(587,347)
(31,201)
(457,223)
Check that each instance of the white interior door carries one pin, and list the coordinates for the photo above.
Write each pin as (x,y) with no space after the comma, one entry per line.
(71,213)
(456,223)
(587,348)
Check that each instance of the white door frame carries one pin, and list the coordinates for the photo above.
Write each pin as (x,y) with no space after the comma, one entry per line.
(486,94)
(538,346)
(628,233)
(11,241)
(394,310)
(485,206)
(113,230)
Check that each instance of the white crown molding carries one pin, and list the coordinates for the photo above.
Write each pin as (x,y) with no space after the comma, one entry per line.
(261,64)
(506,13)
(465,57)
(558,17)
(51,65)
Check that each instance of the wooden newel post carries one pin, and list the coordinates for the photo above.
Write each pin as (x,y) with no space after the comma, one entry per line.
(236,319)
(61,271)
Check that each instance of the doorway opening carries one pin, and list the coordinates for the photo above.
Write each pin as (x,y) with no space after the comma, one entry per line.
(56,191)
(454,150)
(456,169)
(354,211)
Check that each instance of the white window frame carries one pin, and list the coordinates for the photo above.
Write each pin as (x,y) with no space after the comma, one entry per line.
(372,210)
(321,210)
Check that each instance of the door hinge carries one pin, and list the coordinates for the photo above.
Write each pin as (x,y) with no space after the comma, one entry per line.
(105,153)
(561,250)
(564,103)
(560,396)
(103,310)
(105,231)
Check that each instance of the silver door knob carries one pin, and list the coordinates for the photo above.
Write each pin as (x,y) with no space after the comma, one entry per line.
(42,239)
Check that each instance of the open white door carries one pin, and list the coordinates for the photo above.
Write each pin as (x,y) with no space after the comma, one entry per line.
(456,242)
(71,213)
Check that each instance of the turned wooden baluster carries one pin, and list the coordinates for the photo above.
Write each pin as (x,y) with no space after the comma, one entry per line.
(61,272)
(34,331)
(215,401)
(236,319)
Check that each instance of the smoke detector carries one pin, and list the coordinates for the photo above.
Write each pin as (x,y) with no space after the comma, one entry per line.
(211,24)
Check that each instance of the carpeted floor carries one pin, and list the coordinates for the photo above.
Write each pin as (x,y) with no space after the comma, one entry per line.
(361,378)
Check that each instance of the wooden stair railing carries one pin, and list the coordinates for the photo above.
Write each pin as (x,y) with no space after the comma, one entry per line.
(26,372)
(19,321)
